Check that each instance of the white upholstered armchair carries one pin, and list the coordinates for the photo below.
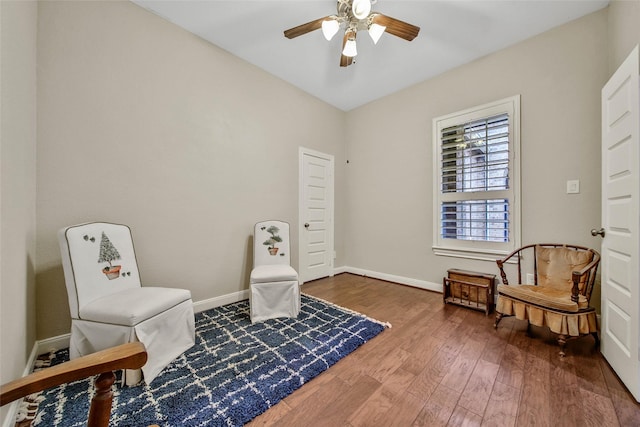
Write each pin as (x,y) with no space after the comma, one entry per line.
(109,306)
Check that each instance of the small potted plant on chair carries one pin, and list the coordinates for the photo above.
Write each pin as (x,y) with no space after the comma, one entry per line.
(271,241)
(109,253)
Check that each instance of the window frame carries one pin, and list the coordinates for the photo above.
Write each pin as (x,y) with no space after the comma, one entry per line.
(479,249)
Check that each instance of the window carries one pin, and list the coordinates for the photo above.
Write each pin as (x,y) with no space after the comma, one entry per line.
(477,181)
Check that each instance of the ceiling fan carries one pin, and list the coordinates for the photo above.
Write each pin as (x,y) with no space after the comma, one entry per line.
(354,16)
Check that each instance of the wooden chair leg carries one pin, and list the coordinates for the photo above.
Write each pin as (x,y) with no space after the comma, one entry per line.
(562,340)
(100,409)
(596,338)
(498,319)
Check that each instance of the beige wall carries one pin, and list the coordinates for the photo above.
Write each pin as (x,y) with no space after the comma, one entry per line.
(558,74)
(17,187)
(624,30)
(145,124)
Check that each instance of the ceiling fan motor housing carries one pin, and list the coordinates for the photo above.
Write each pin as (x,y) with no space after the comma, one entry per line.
(346,15)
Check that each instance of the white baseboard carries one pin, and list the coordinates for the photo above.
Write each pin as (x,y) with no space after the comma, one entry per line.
(416,283)
(12,412)
(51,344)
(340,270)
(210,303)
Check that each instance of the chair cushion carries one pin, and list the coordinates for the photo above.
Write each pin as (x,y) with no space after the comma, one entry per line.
(544,296)
(273,273)
(132,306)
(555,266)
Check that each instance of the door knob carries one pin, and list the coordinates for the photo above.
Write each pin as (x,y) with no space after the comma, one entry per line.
(595,232)
(306,225)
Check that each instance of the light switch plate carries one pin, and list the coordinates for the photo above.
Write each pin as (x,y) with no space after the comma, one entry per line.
(573,186)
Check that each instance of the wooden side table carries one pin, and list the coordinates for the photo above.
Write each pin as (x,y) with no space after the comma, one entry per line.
(469,289)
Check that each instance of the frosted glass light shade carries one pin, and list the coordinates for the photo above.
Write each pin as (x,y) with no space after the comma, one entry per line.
(330,28)
(350,48)
(375,31)
(361,8)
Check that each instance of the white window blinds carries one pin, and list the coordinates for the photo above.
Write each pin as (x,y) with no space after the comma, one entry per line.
(476,180)
(475,158)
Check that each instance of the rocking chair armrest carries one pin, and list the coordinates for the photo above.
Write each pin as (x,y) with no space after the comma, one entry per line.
(126,356)
(503,261)
(576,275)
(512,254)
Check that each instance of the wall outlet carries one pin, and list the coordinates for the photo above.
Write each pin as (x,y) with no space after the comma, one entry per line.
(530,279)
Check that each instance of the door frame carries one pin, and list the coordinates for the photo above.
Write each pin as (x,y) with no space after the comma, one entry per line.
(302,259)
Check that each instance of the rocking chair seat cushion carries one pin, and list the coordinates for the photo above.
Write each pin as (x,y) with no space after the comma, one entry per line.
(132,306)
(544,296)
(273,273)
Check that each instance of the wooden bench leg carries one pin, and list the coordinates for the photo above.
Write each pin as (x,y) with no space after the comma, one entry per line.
(562,340)
(498,319)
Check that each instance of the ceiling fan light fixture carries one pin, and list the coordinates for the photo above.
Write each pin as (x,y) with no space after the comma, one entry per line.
(350,48)
(330,27)
(376,31)
(353,16)
(361,8)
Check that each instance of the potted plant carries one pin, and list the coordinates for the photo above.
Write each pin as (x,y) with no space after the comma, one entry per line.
(271,241)
(109,253)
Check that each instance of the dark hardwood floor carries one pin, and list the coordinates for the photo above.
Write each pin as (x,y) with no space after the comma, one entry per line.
(446,365)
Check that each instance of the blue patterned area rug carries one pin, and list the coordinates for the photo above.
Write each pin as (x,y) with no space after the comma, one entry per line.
(235,372)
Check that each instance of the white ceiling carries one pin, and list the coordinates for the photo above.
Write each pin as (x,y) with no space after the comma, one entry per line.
(452,33)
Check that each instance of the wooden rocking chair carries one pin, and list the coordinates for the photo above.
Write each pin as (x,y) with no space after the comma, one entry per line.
(563,280)
(126,356)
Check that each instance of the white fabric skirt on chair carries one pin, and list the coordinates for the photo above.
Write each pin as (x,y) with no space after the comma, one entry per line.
(277,297)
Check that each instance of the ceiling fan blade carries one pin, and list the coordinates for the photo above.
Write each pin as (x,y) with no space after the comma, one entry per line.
(304,28)
(345,61)
(397,27)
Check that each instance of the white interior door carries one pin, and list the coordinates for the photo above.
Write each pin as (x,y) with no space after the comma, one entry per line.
(620,216)
(316,215)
